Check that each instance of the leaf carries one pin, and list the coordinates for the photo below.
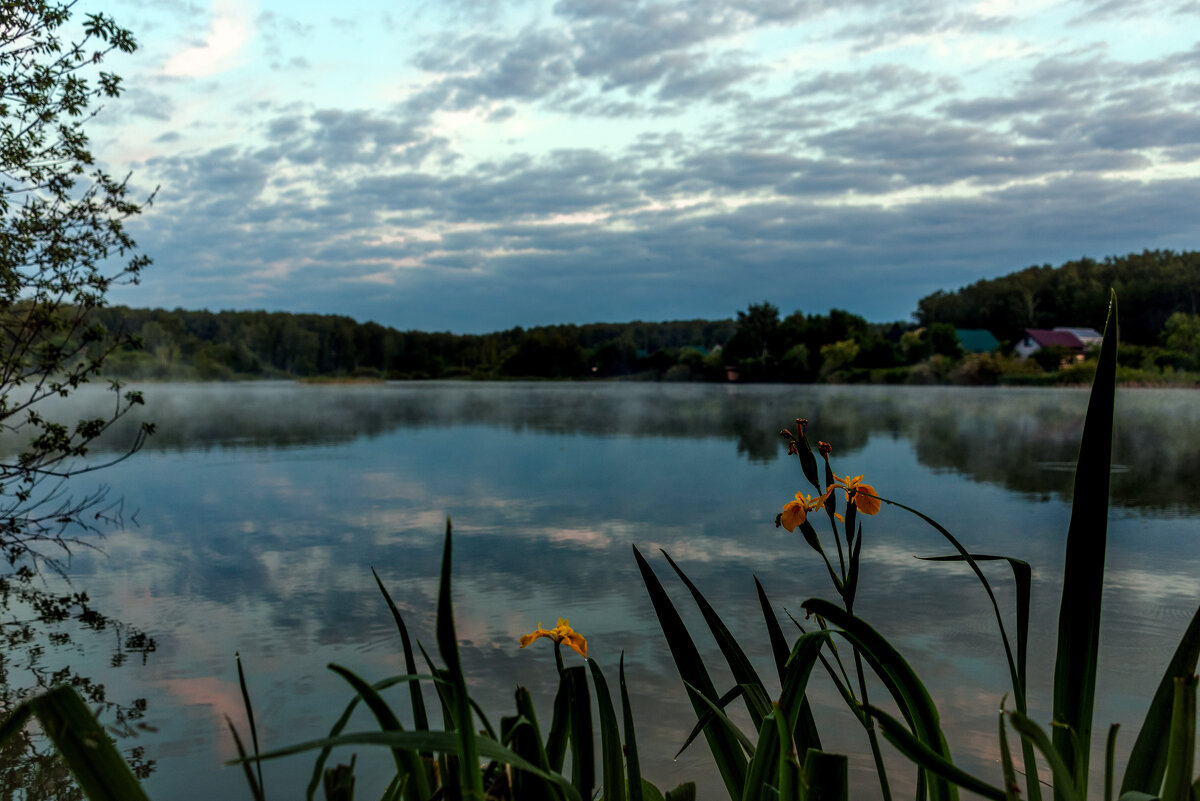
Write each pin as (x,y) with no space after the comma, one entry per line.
(1083,573)
(898,735)
(408,763)
(460,707)
(907,690)
(255,790)
(1110,755)
(731,762)
(612,765)
(444,742)
(85,748)
(1011,788)
(560,723)
(708,717)
(527,743)
(764,761)
(632,760)
(420,717)
(1182,746)
(583,752)
(719,716)
(1064,779)
(249,716)
(1148,759)
(318,772)
(757,702)
(779,647)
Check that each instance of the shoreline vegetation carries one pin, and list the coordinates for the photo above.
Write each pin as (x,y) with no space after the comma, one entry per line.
(1160,335)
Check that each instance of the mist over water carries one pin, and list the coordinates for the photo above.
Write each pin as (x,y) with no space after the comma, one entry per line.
(260,509)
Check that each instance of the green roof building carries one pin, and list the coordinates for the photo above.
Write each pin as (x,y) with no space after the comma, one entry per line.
(976,340)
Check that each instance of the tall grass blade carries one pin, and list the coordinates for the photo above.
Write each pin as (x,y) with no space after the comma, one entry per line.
(339,725)
(898,735)
(612,764)
(560,723)
(408,763)
(898,677)
(95,763)
(1110,756)
(806,734)
(709,717)
(250,717)
(1023,581)
(1182,748)
(779,647)
(764,764)
(420,717)
(719,716)
(527,743)
(1083,571)
(1148,759)
(633,765)
(789,769)
(1012,790)
(758,704)
(460,706)
(442,742)
(255,791)
(583,749)
(731,762)
(792,699)
(1064,778)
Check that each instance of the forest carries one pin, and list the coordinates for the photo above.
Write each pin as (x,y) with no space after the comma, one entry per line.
(1156,290)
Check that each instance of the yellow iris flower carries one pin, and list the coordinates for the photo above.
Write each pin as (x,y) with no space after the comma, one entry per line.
(796,512)
(562,633)
(864,496)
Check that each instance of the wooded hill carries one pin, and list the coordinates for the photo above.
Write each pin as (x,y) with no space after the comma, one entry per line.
(1150,286)
(758,345)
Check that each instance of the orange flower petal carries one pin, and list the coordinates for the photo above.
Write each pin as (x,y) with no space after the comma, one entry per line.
(574,639)
(793,515)
(865,500)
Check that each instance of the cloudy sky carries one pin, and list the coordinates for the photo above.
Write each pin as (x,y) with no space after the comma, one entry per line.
(471,165)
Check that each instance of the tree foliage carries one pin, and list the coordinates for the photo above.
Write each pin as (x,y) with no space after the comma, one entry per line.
(63,245)
(1152,286)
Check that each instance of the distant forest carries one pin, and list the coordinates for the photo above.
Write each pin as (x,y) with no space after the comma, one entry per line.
(1157,291)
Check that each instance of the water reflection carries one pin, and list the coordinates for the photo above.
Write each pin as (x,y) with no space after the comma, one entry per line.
(263,508)
(1020,438)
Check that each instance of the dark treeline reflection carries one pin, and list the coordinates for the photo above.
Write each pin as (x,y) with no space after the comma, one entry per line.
(1023,439)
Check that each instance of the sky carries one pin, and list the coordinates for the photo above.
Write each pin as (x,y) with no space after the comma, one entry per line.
(471,165)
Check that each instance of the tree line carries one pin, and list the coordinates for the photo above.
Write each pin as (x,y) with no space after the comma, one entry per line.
(759,344)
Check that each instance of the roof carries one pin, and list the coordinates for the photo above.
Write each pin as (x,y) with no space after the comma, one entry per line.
(976,340)
(1086,335)
(1047,338)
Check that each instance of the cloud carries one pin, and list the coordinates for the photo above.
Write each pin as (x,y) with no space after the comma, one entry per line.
(231,28)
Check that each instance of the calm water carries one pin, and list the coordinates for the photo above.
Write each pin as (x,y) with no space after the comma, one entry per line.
(262,507)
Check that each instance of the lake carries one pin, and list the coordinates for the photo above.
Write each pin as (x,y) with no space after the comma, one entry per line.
(252,520)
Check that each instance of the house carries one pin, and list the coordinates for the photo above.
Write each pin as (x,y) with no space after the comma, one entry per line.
(976,340)
(1037,338)
(1090,337)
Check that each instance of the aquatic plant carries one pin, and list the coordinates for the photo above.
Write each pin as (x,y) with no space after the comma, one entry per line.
(1161,761)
